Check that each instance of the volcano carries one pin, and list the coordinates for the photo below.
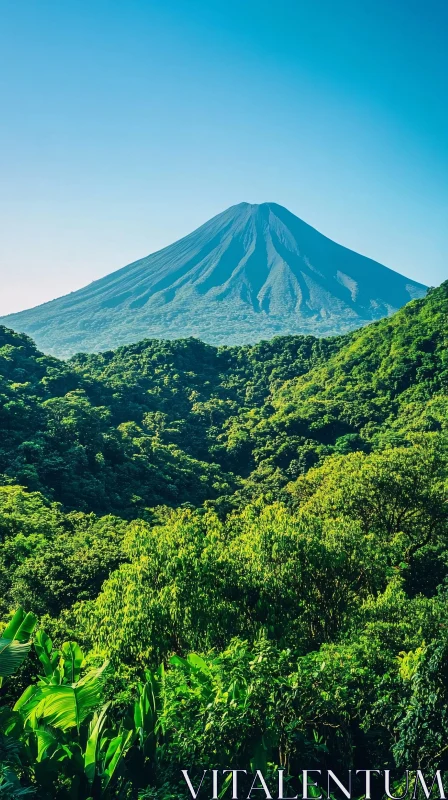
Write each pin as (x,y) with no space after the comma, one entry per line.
(250,273)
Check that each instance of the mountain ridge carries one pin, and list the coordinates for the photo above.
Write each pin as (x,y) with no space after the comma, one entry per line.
(251,272)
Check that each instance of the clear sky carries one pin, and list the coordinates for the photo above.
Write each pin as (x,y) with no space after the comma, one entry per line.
(124,124)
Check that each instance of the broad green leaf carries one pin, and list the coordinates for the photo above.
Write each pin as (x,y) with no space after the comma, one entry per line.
(198,663)
(65,706)
(72,658)
(12,654)
(25,697)
(20,627)
(45,740)
(44,649)
(178,661)
(93,743)
(115,754)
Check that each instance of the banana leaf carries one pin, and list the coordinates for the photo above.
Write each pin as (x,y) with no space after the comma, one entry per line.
(20,627)
(116,752)
(12,654)
(63,706)
(44,649)
(91,755)
(72,658)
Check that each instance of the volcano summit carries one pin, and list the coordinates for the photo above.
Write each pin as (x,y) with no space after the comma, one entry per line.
(250,273)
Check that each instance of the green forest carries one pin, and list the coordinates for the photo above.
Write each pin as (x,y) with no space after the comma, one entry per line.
(224,557)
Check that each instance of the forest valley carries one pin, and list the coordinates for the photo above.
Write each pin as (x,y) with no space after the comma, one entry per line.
(224,557)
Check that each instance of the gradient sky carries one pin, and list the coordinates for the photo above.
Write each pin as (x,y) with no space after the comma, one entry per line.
(124,124)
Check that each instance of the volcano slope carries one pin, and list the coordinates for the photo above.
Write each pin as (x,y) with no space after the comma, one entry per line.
(250,273)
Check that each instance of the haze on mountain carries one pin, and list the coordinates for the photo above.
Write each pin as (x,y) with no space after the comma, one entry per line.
(250,273)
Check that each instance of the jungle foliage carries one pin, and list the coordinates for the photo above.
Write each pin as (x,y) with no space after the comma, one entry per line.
(232,556)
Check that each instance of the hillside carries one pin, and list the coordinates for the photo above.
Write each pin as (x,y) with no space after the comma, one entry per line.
(250,273)
(178,422)
(388,380)
(130,429)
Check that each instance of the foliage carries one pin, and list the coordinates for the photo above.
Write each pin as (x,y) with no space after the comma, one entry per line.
(254,541)
(59,736)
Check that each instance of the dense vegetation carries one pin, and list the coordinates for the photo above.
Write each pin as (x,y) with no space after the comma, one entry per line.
(249,545)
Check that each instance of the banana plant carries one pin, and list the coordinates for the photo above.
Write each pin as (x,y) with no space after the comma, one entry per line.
(67,724)
(104,756)
(147,708)
(48,657)
(15,642)
(62,706)
(69,743)
(146,722)
(61,698)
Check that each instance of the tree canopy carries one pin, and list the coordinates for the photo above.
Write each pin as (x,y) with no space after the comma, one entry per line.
(243,549)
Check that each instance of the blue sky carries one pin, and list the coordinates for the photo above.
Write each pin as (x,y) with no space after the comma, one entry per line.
(127,123)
